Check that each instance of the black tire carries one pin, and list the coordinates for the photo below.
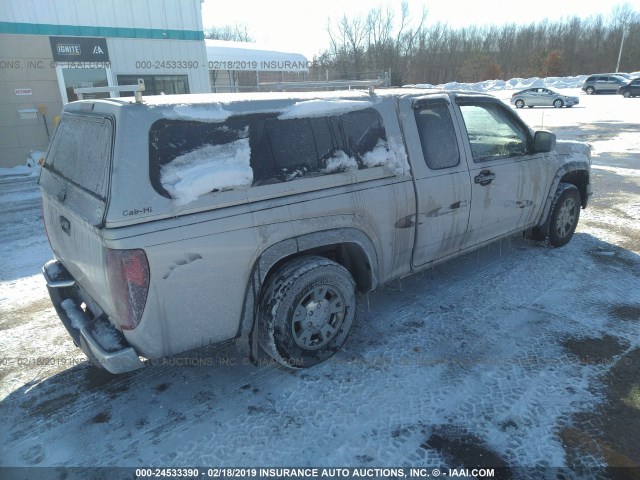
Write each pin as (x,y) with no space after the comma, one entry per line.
(519,103)
(627,94)
(557,103)
(563,217)
(530,106)
(590,90)
(306,311)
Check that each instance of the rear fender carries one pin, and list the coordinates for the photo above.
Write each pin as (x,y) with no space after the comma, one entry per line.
(276,254)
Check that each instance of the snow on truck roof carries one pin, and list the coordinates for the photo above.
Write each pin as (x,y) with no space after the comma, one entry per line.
(218,107)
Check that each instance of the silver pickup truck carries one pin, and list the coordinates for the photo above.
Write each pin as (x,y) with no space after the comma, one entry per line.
(182,221)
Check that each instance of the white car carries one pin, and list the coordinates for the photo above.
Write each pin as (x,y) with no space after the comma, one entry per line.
(542,97)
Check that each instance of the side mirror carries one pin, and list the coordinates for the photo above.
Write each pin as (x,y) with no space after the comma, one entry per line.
(544,141)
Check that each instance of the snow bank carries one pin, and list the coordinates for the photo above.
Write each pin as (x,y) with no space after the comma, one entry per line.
(212,167)
(31,167)
(319,108)
(513,84)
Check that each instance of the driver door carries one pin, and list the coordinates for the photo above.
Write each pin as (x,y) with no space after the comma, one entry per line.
(508,182)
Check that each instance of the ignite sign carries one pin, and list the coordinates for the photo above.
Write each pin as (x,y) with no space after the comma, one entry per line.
(79,49)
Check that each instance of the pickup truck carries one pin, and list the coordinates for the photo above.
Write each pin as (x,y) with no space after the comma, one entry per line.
(182,221)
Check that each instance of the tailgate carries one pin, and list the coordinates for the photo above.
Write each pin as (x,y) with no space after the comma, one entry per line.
(74,183)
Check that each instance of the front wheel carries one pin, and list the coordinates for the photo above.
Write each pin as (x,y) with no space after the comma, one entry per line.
(627,94)
(590,90)
(558,103)
(519,103)
(563,217)
(306,311)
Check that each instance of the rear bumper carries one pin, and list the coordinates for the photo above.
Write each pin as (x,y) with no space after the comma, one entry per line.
(81,323)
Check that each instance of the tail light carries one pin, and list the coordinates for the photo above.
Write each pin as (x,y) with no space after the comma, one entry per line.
(128,280)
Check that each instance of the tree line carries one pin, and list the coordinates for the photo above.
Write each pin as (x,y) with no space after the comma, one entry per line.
(412,52)
(403,48)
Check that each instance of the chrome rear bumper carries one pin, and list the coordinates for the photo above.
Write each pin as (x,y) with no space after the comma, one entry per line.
(67,298)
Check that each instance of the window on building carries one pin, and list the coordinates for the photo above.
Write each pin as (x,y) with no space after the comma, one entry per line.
(156,84)
(84,78)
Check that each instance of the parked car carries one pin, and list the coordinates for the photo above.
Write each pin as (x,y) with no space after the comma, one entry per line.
(631,89)
(184,221)
(542,97)
(603,83)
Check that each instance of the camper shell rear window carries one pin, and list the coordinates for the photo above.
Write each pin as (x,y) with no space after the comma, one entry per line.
(275,150)
(80,152)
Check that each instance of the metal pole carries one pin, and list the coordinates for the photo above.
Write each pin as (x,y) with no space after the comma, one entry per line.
(624,31)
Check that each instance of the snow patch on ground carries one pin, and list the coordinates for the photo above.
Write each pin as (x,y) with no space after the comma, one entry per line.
(212,167)
(627,141)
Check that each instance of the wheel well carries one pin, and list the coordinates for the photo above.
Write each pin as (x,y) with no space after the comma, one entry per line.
(579,178)
(350,255)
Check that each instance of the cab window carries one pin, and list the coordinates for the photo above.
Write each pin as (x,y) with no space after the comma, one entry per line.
(492,132)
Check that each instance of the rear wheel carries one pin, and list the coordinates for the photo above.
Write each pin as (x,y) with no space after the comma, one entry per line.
(307,311)
(558,103)
(519,103)
(627,94)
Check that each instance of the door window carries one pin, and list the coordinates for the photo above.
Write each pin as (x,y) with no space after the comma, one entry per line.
(493,133)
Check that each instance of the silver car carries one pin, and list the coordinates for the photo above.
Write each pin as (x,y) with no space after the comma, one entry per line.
(542,97)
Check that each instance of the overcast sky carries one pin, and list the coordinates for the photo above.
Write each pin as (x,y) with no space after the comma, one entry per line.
(301,25)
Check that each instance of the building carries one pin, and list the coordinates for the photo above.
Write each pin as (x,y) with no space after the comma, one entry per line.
(49,48)
(243,67)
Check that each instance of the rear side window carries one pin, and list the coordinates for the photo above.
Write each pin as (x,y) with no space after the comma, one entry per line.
(261,149)
(437,136)
(81,152)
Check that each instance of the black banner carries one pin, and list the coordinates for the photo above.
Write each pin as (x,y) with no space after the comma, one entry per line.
(79,49)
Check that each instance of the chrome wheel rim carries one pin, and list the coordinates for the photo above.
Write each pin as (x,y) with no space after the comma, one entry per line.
(318,317)
(567,216)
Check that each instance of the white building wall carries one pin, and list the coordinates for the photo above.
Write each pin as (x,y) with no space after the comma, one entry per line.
(161,57)
(154,14)
(143,37)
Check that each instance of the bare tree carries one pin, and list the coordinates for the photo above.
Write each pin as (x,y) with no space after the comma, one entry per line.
(235,33)
(397,42)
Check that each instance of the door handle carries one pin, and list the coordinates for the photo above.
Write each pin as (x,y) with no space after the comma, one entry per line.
(485,177)
(65,225)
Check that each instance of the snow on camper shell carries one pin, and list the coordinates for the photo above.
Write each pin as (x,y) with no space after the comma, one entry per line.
(203,149)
